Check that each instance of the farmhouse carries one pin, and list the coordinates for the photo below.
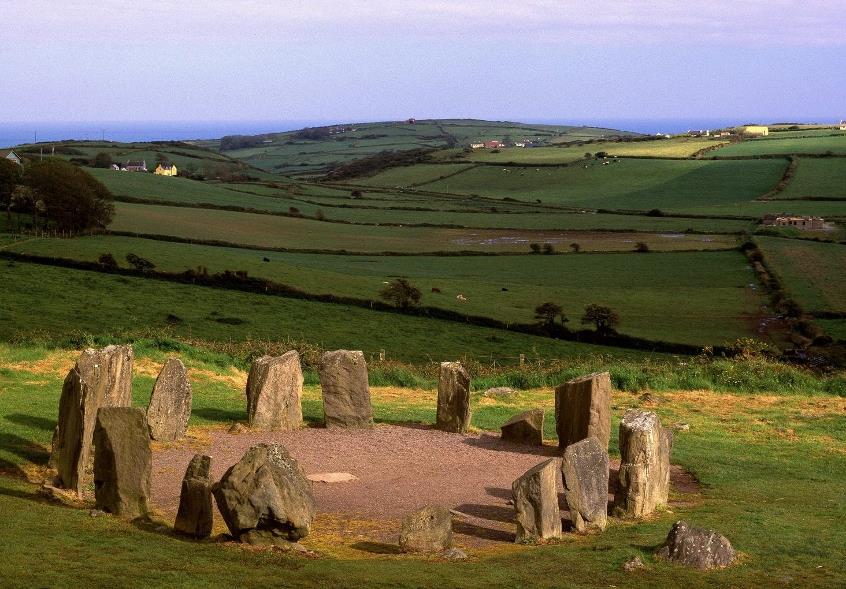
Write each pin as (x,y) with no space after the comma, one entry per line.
(135,166)
(477,145)
(803,223)
(11,156)
(758,130)
(165,170)
(494,144)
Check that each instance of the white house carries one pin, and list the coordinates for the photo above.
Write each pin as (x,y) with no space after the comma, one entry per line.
(843,125)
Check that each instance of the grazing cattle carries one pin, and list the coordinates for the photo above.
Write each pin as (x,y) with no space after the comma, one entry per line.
(461,298)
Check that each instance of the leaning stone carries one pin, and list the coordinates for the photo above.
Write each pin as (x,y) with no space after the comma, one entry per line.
(453,414)
(266,491)
(696,547)
(100,378)
(274,390)
(525,428)
(536,503)
(427,530)
(194,517)
(585,473)
(122,462)
(644,464)
(583,409)
(170,403)
(346,392)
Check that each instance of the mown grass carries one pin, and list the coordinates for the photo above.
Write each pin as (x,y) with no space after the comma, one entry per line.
(818,177)
(758,459)
(713,301)
(777,145)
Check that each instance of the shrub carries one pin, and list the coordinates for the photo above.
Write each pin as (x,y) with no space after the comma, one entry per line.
(401,293)
(575,247)
(548,248)
(107,261)
(604,319)
(641,247)
(139,263)
(535,247)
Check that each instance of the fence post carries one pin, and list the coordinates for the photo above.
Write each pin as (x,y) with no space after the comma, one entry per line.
(381,355)
(522,359)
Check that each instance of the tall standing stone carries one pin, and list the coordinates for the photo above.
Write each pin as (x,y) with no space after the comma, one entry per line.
(644,464)
(170,403)
(274,390)
(536,503)
(585,474)
(453,414)
(100,378)
(194,517)
(346,392)
(583,409)
(266,497)
(525,428)
(122,462)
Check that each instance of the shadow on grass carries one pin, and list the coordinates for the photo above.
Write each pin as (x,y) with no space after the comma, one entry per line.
(468,529)
(497,513)
(377,547)
(219,415)
(31,421)
(8,491)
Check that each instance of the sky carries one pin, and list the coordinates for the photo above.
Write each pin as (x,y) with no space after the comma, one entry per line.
(364,60)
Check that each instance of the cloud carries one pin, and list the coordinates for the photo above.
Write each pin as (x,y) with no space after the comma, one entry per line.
(732,22)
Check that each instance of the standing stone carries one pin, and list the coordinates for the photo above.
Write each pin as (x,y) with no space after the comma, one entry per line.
(170,403)
(122,462)
(427,530)
(274,389)
(194,517)
(346,392)
(265,497)
(525,428)
(583,409)
(644,464)
(585,473)
(453,413)
(697,547)
(536,503)
(100,378)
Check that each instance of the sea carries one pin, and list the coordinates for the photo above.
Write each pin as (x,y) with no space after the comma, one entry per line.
(12,134)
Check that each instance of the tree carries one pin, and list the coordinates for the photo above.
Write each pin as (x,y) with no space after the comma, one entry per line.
(548,248)
(641,247)
(139,263)
(108,261)
(72,199)
(547,312)
(604,319)
(10,176)
(535,247)
(575,247)
(401,293)
(103,160)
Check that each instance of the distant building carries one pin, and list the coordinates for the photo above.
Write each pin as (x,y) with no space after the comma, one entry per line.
(803,223)
(11,156)
(165,170)
(135,166)
(493,144)
(411,121)
(477,145)
(758,130)
(843,125)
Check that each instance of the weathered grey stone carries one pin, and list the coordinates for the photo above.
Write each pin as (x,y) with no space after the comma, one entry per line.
(427,530)
(644,464)
(633,564)
(195,515)
(525,428)
(122,462)
(497,391)
(583,409)
(346,392)
(170,404)
(266,491)
(100,378)
(536,503)
(696,547)
(455,554)
(453,414)
(585,474)
(274,390)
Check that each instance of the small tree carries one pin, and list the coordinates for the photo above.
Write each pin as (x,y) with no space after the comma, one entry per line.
(604,319)
(107,261)
(535,247)
(548,248)
(401,293)
(139,263)
(10,175)
(103,160)
(546,314)
(641,247)
(575,247)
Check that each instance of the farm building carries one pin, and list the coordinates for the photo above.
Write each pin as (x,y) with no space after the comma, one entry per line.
(165,170)
(804,223)
(843,125)
(11,156)
(494,144)
(477,145)
(758,130)
(135,166)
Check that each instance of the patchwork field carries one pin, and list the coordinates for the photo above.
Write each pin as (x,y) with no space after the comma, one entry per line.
(775,144)
(818,177)
(712,301)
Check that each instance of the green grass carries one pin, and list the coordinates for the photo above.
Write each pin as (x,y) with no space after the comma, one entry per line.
(411,175)
(669,185)
(777,145)
(78,306)
(812,272)
(824,177)
(712,303)
(284,232)
(757,463)
(151,186)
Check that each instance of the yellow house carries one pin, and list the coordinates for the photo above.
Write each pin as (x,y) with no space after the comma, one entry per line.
(756,130)
(165,170)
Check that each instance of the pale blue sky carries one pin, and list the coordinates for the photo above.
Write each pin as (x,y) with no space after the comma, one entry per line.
(762,60)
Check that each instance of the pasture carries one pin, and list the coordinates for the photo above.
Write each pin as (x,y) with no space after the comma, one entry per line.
(835,143)
(817,177)
(711,301)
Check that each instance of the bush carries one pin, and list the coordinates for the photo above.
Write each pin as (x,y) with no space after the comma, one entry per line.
(535,247)
(139,263)
(401,293)
(548,248)
(641,247)
(107,261)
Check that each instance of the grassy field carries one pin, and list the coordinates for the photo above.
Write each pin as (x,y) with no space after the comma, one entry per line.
(757,464)
(712,301)
(818,177)
(813,273)
(284,232)
(632,184)
(778,145)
